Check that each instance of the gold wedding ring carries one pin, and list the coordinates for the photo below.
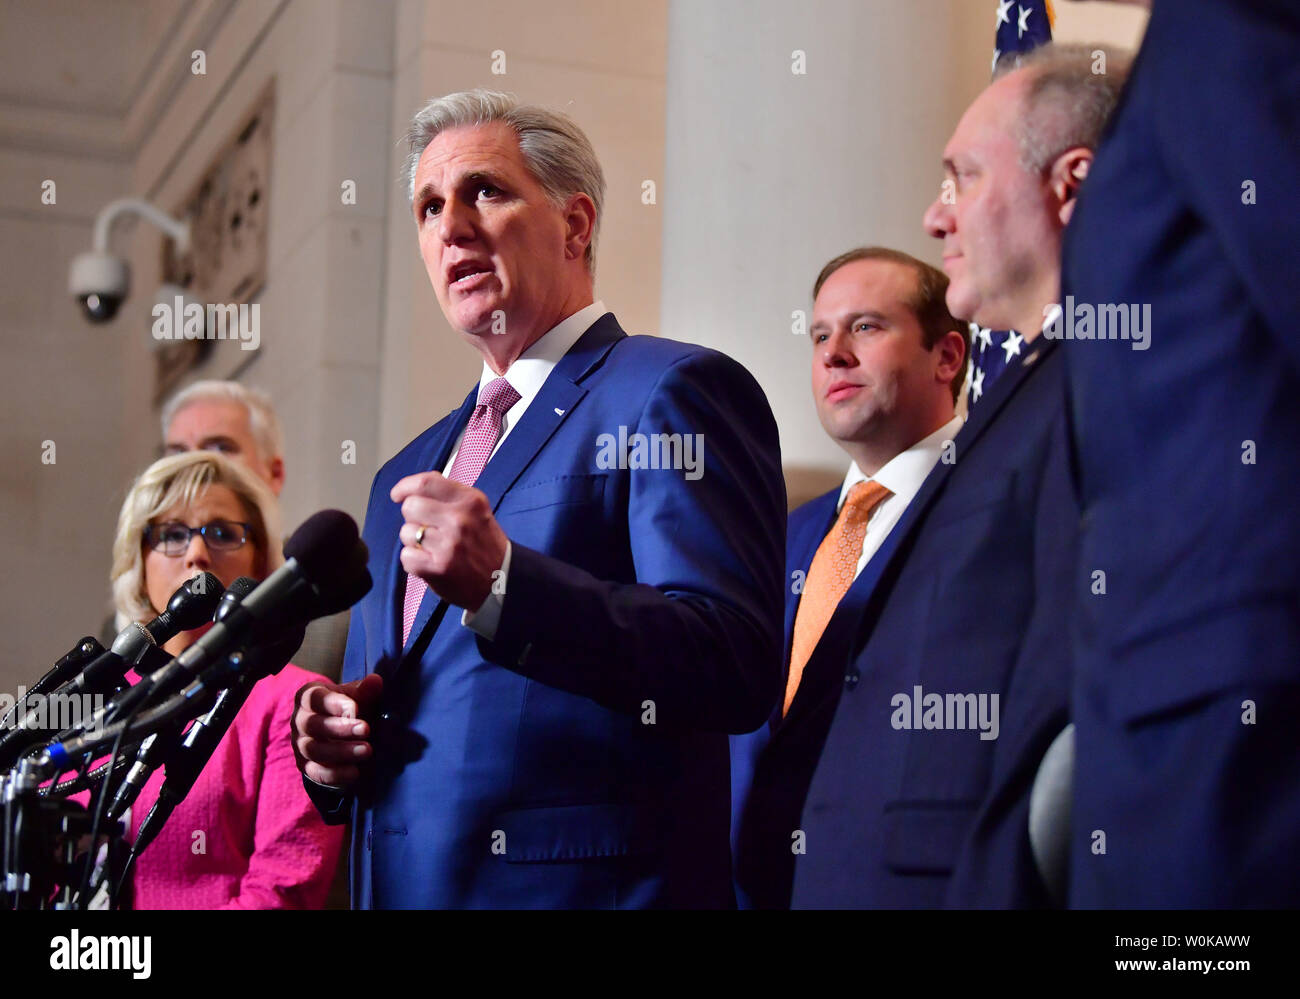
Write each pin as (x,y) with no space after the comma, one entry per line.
(419,537)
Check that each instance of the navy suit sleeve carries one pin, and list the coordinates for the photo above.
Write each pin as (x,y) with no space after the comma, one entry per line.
(1186,764)
(699,633)
(1230,121)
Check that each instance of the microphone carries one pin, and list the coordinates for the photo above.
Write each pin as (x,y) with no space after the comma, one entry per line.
(181,707)
(158,747)
(324,573)
(16,736)
(184,767)
(235,593)
(190,606)
(85,651)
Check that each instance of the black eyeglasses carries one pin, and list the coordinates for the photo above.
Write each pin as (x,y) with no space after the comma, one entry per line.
(173,538)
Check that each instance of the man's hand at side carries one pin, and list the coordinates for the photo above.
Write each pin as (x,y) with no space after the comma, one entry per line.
(329,731)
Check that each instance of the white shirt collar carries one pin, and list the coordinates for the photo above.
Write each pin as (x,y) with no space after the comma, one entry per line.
(530,368)
(903,474)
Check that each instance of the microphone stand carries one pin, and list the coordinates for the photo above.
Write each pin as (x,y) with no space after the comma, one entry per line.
(16,737)
(240,672)
(184,768)
(40,837)
(67,667)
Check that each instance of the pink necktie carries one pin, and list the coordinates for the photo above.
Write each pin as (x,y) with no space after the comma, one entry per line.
(481,436)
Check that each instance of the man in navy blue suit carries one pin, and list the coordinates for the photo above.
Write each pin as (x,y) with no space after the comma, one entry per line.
(888,362)
(578,572)
(958,680)
(1187,694)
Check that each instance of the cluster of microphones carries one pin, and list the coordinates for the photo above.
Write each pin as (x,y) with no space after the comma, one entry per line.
(173,717)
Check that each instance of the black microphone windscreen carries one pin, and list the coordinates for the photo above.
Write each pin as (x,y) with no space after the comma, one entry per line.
(320,541)
(241,587)
(192,604)
(345,592)
(271,657)
(233,596)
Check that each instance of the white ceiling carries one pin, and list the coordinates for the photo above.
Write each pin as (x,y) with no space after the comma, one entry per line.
(91,77)
(83,56)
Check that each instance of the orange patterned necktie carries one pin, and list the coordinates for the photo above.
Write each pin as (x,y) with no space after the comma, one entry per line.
(832,572)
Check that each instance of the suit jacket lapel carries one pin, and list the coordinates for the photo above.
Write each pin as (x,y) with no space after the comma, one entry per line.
(551,406)
(810,539)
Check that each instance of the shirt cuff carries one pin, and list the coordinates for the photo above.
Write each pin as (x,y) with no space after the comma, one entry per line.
(484,620)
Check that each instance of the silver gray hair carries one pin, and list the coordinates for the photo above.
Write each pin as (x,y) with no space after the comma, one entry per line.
(1069,96)
(558,153)
(263,424)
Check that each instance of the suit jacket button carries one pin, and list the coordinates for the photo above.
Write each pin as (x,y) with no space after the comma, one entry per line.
(851,678)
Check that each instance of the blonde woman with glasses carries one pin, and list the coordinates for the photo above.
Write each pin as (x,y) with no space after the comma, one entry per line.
(246,836)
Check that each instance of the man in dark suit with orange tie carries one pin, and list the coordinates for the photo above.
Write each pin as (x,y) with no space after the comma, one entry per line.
(888,362)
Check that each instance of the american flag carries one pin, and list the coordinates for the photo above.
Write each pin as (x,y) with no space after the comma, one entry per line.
(1020,27)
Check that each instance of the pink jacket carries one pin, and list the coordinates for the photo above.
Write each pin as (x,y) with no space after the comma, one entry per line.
(246,836)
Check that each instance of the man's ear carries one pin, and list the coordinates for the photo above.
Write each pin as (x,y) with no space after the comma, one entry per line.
(580,224)
(1067,176)
(951,354)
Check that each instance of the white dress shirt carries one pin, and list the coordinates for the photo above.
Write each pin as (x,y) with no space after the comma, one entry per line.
(526,376)
(902,475)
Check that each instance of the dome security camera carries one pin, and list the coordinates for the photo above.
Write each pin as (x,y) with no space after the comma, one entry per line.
(100,282)
(98,279)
